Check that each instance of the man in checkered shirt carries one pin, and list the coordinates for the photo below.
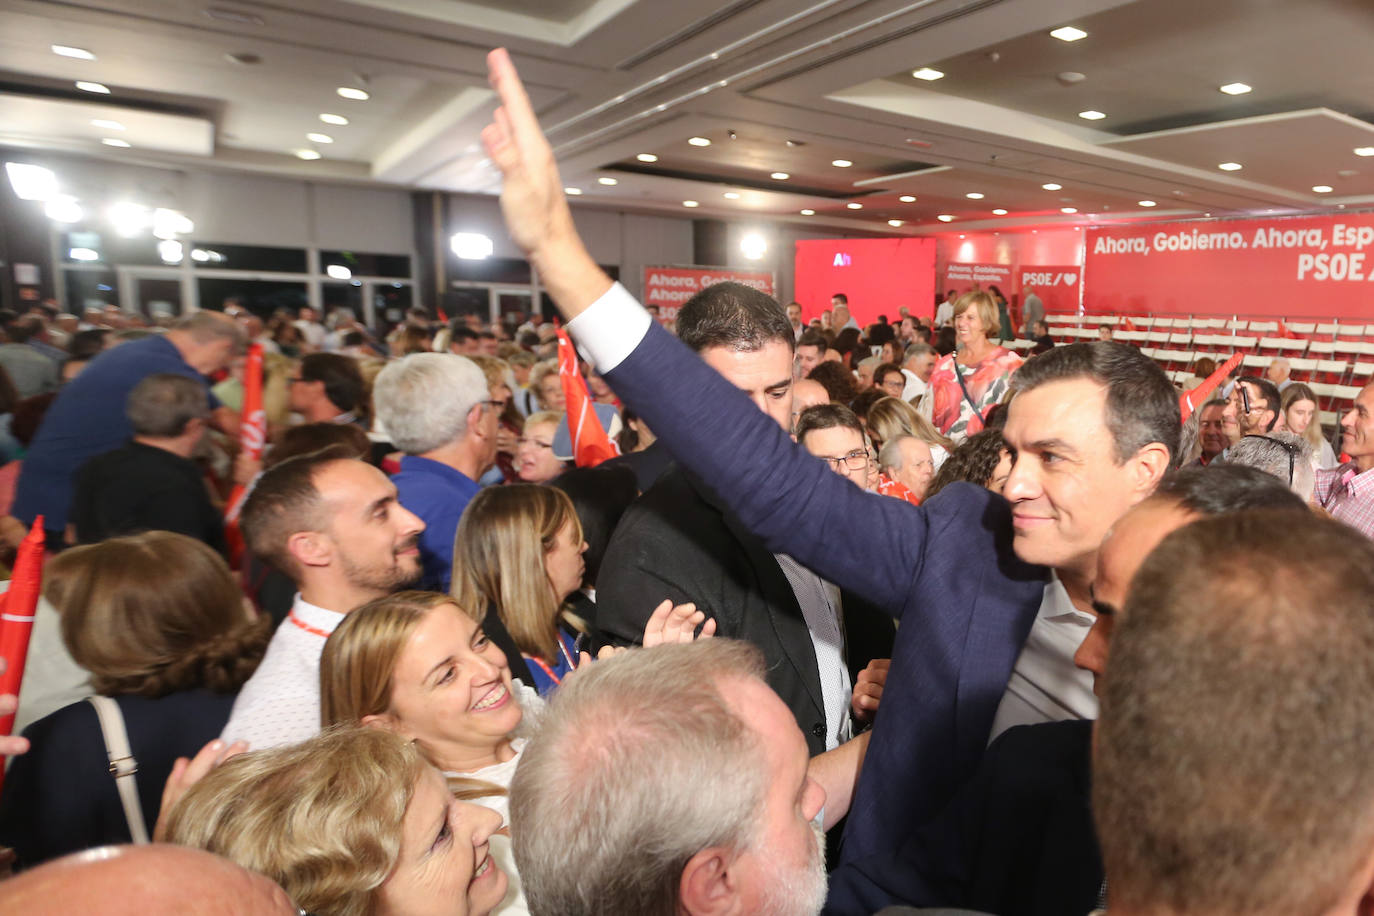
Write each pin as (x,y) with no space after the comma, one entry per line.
(1347,491)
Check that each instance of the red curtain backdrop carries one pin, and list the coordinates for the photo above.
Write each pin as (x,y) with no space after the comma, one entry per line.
(880,276)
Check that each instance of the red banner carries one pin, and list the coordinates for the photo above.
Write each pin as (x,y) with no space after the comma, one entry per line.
(966,277)
(879,277)
(669,287)
(1285,267)
(1056,286)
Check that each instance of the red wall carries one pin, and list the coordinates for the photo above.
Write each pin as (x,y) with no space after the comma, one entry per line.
(879,276)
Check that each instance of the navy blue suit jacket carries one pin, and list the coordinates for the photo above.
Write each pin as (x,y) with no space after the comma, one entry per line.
(945,569)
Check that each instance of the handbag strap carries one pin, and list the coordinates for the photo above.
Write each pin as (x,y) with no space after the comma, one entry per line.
(123,766)
(967,397)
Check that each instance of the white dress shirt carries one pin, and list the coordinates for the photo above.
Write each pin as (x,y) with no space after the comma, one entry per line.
(915,387)
(280,704)
(1045,685)
(819,601)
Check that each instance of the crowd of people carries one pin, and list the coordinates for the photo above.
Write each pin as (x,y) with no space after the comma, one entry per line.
(1025,640)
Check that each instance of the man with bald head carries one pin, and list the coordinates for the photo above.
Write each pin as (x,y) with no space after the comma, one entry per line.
(156,880)
(88,417)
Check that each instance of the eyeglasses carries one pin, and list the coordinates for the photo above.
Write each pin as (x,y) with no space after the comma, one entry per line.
(523,441)
(854,461)
(1288,447)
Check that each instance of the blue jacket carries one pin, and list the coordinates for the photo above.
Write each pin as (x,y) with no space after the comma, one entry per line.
(945,569)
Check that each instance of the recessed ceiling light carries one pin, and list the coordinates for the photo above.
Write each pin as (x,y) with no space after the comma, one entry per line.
(927,74)
(780,176)
(841,163)
(647,157)
(348,92)
(572,192)
(1069,33)
(1068,209)
(1147,203)
(808,212)
(337,120)
(607,181)
(85,86)
(999,212)
(731,195)
(974,195)
(1235,88)
(894,223)
(107,125)
(698,141)
(1091,115)
(319,138)
(690,203)
(1052,186)
(68,51)
(854,206)
(1229,166)
(115,141)
(307,154)
(1364,151)
(945,218)
(907,199)
(1322,188)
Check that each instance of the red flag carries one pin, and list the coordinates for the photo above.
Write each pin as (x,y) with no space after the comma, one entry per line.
(252,438)
(591,445)
(1128,324)
(16,623)
(442,315)
(1284,332)
(1192,399)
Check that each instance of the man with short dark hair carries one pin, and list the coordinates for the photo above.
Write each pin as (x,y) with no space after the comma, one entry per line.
(1211,430)
(842,319)
(1018,839)
(835,435)
(463,340)
(811,347)
(151,483)
(333,524)
(328,388)
(679,542)
(888,379)
(88,418)
(794,313)
(31,372)
(918,364)
(987,632)
(1257,404)
(1104,332)
(1231,761)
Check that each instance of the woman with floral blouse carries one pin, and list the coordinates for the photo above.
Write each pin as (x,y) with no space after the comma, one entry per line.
(985,369)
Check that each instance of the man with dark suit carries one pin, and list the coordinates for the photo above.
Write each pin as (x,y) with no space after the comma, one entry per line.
(1018,838)
(679,541)
(986,634)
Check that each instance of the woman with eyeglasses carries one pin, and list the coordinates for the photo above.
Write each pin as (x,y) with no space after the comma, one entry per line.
(354,821)
(534,458)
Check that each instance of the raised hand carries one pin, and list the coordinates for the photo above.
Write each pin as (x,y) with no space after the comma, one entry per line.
(671,623)
(532,199)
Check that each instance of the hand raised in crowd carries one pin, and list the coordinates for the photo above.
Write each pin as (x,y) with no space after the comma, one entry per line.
(868,689)
(10,744)
(672,623)
(186,773)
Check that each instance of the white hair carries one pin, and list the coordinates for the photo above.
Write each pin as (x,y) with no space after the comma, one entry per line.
(1270,453)
(424,400)
(890,455)
(636,766)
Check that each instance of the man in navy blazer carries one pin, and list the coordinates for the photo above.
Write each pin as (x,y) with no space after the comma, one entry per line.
(1092,430)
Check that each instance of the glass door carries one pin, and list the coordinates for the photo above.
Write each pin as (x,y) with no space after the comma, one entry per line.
(158,295)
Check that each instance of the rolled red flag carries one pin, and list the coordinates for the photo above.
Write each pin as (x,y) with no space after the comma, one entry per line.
(252,439)
(1191,400)
(591,445)
(16,619)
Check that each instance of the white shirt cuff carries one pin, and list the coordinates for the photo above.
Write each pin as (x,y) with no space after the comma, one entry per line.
(610,328)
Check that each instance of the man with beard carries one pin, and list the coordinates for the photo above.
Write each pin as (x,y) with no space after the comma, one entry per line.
(333,524)
(695,775)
